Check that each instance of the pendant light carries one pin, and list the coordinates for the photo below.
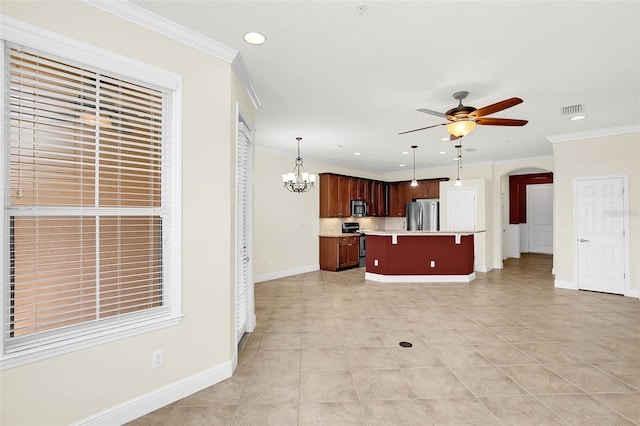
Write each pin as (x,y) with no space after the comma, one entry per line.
(299,180)
(414,182)
(458,181)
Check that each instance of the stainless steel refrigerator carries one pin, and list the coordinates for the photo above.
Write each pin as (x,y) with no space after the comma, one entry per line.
(423,215)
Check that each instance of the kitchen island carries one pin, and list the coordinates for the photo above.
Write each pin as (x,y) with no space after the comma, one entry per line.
(420,256)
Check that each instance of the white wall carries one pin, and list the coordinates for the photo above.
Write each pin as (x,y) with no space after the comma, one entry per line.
(79,385)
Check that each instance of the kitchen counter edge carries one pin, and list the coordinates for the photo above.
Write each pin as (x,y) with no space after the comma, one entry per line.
(420,233)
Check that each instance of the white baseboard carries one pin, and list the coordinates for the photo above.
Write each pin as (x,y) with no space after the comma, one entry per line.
(633,292)
(419,278)
(285,273)
(498,265)
(134,408)
(483,268)
(569,285)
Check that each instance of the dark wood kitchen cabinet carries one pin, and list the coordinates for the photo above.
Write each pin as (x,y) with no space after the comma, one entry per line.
(420,191)
(383,198)
(433,189)
(338,253)
(359,189)
(377,199)
(427,188)
(399,196)
(335,195)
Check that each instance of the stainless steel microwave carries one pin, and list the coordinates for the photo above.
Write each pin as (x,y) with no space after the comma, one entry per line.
(359,208)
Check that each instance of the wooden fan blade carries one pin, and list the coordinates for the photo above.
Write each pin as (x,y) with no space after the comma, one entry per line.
(428,111)
(423,128)
(498,106)
(488,121)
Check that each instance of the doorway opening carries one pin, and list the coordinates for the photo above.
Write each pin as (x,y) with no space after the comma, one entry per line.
(527,213)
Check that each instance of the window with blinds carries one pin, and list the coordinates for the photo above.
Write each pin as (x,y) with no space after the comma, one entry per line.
(85,201)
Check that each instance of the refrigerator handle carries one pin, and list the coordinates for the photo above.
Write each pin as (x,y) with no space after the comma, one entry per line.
(419,216)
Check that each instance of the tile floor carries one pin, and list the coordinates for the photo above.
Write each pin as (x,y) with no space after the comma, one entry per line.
(505,349)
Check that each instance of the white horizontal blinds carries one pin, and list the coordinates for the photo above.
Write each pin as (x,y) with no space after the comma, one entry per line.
(84,198)
(242,278)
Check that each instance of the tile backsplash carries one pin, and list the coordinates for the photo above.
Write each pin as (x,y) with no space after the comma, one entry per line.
(332,226)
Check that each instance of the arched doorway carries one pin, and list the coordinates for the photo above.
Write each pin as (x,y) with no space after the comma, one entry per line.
(526,215)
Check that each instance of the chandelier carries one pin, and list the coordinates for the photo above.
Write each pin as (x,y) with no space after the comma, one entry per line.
(299,180)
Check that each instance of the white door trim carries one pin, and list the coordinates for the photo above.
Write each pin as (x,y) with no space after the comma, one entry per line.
(625,224)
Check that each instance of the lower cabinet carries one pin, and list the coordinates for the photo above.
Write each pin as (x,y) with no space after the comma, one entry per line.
(339,252)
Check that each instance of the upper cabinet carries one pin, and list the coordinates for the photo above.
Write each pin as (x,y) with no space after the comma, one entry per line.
(399,196)
(360,189)
(335,195)
(384,199)
(377,199)
(426,189)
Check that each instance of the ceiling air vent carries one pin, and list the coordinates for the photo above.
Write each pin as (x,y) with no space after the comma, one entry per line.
(573,109)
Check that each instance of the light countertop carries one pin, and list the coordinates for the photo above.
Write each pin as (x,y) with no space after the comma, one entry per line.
(404,232)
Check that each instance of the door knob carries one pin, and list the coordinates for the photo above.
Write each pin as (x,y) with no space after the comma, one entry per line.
(582,240)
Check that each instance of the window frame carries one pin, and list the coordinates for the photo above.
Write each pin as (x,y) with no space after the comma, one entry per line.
(15,31)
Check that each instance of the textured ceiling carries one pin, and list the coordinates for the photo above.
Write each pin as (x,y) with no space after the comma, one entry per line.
(349,82)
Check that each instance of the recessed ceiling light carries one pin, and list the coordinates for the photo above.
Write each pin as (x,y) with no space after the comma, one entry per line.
(357,153)
(456,159)
(578,117)
(443,152)
(254,38)
(401,165)
(405,152)
(445,139)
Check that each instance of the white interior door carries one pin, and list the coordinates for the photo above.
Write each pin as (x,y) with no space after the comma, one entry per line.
(540,218)
(244,284)
(600,234)
(461,209)
(505,225)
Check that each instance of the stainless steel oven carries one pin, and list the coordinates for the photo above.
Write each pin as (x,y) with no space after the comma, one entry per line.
(354,228)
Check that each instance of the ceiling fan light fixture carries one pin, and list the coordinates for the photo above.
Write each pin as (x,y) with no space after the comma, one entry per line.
(461,128)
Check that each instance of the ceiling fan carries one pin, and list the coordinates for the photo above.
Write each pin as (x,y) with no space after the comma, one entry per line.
(463,119)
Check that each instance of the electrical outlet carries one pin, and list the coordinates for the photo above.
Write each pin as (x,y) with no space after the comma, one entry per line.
(157,359)
(375,262)
(433,263)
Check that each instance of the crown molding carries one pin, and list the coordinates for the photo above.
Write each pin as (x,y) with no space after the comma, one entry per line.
(166,27)
(591,134)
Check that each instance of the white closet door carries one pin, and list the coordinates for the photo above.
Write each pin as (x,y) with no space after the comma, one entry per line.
(540,218)
(461,209)
(600,210)
(242,224)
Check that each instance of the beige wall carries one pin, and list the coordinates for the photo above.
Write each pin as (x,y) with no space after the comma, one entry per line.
(74,386)
(287,224)
(602,156)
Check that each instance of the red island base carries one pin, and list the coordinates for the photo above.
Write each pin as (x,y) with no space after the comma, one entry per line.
(419,257)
